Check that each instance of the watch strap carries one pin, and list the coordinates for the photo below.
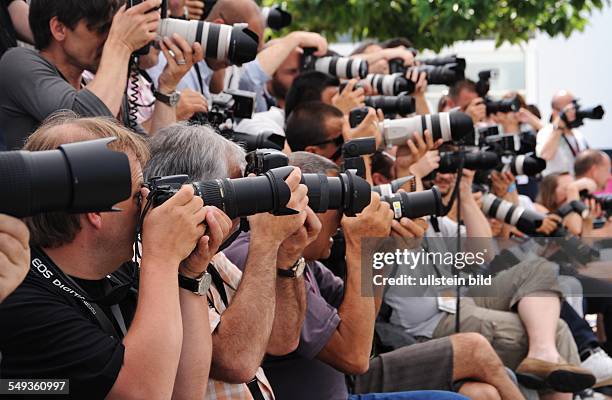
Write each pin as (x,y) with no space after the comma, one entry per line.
(291,272)
(191,284)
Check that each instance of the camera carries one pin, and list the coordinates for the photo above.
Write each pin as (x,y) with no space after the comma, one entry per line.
(276,18)
(445,60)
(450,162)
(235,44)
(503,106)
(227,106)
(240,197)
(341,67)
(447,126)
(352,152)
(67,179)
(447,74)
(583,113)
(388,189)
(604,200)
(390,85)
(401,104)
(347,192)
(416,204)
(528,222)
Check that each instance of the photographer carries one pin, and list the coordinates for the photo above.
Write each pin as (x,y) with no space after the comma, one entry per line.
(71,36)
(14,254)
(558,144)
(336,335)
(14,24)
(135,334)
(257,312)
(463,94)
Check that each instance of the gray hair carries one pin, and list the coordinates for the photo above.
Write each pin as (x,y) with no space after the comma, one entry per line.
(194,150)
(311,163)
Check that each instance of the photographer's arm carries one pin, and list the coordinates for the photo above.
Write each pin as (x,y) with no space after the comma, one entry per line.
(550,145)
(290,292)
(131,29)
(19,11)
(241,338)
(164,114)
(350,345)
(153,341)
(14,254)
(272,57)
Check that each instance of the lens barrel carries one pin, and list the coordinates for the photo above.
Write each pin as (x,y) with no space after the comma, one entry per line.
(68,179)
(416,204)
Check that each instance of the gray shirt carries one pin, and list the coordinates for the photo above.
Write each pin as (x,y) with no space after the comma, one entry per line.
(300,375)
(31,89)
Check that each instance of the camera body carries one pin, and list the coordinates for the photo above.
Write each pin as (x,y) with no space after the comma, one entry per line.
(261,160)
(582,113)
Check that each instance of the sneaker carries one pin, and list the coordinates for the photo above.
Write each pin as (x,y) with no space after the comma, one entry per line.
(601,365)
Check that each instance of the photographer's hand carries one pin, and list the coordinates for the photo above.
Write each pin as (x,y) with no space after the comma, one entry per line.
(349,98)
(420,80)
(367,128)
(130,30)
(172,230)
(273,230)
(549,224)
(180,59)
(426,164)
(415,149)
(291,249)
(191,102)
(218,226)
(14,254)
(195,9)
(477,110)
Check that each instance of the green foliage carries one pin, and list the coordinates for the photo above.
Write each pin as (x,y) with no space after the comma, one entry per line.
(433,24)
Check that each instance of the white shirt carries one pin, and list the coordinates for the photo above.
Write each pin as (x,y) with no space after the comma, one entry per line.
(563,160)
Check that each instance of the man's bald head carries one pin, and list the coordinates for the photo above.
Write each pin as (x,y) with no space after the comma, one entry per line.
(561,99)
(239,11)
(594,164)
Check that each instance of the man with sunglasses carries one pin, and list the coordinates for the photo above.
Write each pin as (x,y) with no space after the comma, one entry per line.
(319,128)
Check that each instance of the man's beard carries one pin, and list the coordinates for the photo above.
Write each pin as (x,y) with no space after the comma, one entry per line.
(278,90)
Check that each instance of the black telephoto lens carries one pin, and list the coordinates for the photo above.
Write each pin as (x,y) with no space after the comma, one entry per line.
(68,179)
(416,204)
(503,106)
(243,197)
(485,160)
(347,192)
(447,74)
(402,104)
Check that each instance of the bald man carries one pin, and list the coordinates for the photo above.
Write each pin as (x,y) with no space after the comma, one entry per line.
(556,143)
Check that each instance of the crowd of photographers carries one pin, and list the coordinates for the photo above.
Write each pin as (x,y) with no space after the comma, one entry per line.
(190,212)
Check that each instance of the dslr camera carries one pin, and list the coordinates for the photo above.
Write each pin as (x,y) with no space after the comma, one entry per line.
(233,44)
(582,113)
(347,192)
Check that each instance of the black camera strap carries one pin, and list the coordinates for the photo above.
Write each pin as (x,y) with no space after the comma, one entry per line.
(574,151)
(44,267)
(196,67)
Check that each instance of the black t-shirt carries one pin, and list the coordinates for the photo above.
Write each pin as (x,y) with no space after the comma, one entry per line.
(47,333)
(8,37)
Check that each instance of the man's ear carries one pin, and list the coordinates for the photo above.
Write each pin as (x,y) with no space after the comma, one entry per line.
(219,21)
(94,219)
(58,29)
(379,179)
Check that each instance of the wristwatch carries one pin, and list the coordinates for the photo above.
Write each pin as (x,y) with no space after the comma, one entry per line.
(199,285)
(294,272)
(171,99)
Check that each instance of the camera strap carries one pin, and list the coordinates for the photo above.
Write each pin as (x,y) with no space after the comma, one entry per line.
(574,151)
(199,76)
(44,267)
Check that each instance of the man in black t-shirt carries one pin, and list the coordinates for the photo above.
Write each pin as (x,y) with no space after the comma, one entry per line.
(70,320)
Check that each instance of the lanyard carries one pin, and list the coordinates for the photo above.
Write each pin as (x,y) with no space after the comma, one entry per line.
(52,275)
(574,151)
